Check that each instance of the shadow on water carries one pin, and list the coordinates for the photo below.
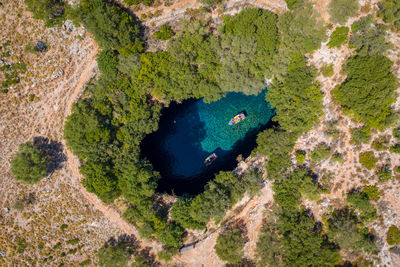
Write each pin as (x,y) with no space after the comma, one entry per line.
(176,151)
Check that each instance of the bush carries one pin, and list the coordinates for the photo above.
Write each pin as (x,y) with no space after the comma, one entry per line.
(372,192)
(300,156)
(396,133)
(337,157)
(164,33)
(341,10)
(368,160)
(339,37)
(29,165)
(292,4)
(321,153)
(393,235)
(269,246)
(229,246)
(327,70)
(180,213)
(384,174)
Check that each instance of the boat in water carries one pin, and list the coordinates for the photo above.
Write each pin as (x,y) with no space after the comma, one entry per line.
(238,118)
(210,159)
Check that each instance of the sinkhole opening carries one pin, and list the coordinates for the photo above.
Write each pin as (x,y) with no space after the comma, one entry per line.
(191,131)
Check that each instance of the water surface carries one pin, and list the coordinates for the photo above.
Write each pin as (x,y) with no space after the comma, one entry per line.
(191,131)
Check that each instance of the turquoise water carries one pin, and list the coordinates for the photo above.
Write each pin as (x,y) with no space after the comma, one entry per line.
(191,131)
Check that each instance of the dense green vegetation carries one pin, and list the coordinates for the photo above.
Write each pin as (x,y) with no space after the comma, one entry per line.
(29,165)
(389,12)
(301,107)
(339,37)
(345,231)
(290,189)
(50,11)
(341,10)
(369,89)
(229,246)
(320,153)
(360,135)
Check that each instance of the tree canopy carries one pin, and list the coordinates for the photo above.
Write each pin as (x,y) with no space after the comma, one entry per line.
(229,246)
(389,11)
(50,11)
(29,165)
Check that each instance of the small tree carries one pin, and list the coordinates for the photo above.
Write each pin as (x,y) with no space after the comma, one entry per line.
(164,33)
(229,246)
(29,165)
(113,255)
(341,10)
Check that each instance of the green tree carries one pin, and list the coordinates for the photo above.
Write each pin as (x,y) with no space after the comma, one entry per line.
(269,246)
(229,246)
(368,160)
(368,37)
(292,4)
(372,192)
(113,255)
(389,12)
(303,244)
(289,190)
(360,135)
(320,153)
(180,213)
(341,10)
(369,89)
(339,37)
(29,165)
(110,25)
(50,11)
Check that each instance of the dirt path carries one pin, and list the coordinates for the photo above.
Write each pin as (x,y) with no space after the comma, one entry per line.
(73,162)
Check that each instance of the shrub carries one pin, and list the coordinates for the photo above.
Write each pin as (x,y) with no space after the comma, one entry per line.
(164,33)
(368,160)
(339,37)
(320,153)
(327,70)
(292,4)
(384,174)
(29,165)
(396,133)
(63,226)
(393,235)
(269,246)
(229,246)
(372,192)
(341,10)
(337,157)
(380,144)
(300,156)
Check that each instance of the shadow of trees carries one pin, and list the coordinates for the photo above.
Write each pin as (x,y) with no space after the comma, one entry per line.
(53,152)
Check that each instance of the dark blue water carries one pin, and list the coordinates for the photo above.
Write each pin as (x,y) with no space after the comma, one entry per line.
(191,131)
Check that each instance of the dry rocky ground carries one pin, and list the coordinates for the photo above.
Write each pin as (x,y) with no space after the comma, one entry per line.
(57,78)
